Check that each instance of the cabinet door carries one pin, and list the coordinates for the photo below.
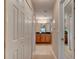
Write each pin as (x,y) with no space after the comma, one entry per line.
(38,39)
(48,38)
(43,37)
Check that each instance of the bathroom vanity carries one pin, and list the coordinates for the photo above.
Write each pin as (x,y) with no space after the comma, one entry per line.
(44,37)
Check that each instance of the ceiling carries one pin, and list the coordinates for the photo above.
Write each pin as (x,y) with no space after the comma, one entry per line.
(43,8)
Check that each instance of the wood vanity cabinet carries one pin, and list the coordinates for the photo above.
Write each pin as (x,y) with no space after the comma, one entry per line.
(43,37)
(38,38)
(66,37)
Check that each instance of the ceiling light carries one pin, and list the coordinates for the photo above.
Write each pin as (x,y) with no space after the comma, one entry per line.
(42,21)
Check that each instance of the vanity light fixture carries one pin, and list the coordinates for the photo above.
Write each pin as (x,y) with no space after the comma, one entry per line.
(42,21)
(45,18)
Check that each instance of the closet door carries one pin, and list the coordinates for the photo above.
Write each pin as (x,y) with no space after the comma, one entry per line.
(14,34)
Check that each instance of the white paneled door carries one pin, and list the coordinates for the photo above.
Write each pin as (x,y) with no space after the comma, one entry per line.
(18,33)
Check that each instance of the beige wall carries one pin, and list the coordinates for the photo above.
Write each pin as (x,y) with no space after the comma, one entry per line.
(37,27)
(55,29)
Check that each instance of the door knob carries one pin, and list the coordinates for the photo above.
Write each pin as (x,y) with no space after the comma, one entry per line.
(62,38)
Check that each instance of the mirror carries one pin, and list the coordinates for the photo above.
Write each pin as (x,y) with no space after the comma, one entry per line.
(42,28)
(68,31)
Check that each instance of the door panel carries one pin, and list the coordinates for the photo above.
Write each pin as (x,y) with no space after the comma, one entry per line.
(18,32)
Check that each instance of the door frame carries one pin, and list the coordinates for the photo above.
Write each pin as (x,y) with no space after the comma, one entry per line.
(61,30)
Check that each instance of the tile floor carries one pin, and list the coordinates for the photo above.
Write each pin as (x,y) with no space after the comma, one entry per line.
(68,53)
(43,52)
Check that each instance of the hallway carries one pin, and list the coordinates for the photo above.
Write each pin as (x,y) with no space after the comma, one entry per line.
(43,52)
(39,29)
